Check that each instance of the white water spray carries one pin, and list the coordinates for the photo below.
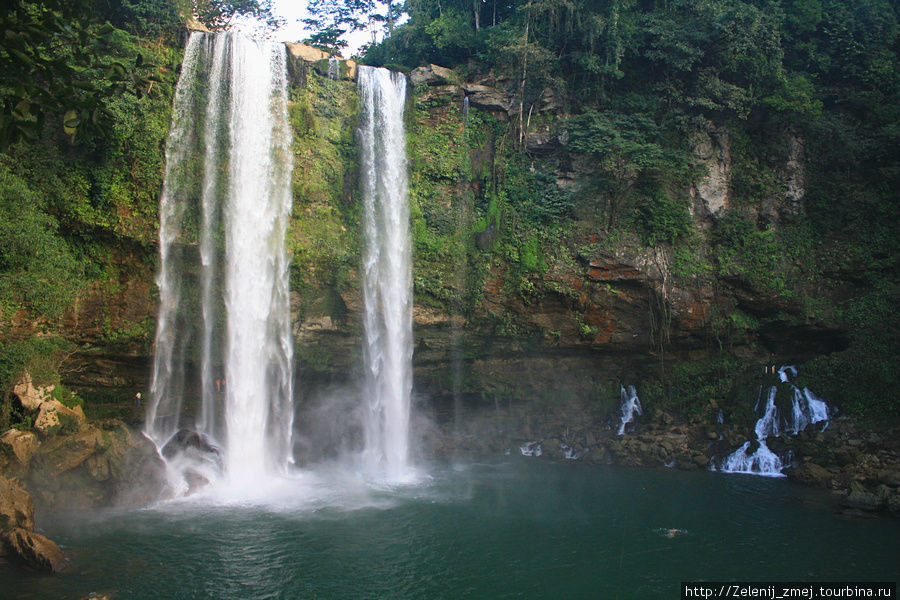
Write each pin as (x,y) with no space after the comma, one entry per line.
(235,88)
(763,461)
(387,272)
(631,405)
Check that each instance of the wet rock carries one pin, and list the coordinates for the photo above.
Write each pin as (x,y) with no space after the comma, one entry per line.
(98,467)
(36,550)
(541,142)
(893,503)
(855,513)
(811,474)
(16,507)
(192,444)
(862,499)
(23,443)
(64,453)
(17,534)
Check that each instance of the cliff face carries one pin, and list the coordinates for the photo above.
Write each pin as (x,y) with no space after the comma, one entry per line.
(522,285)
(512,301)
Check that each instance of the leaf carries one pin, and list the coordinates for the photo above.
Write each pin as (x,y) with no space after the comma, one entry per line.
(23,109)
(71,122)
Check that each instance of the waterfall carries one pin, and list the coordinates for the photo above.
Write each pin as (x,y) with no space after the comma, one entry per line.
(387,272)
(223,216)
(763,461)
(631,404)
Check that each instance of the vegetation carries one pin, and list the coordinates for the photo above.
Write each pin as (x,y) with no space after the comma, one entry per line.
(628,91)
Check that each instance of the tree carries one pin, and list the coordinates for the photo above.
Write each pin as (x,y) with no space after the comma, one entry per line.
(333,19)
(50,54)
(219,14)
(626,147)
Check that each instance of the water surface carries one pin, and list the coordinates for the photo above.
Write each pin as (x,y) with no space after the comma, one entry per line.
(521,528)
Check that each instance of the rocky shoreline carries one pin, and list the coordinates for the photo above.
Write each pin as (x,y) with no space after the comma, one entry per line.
(860,466)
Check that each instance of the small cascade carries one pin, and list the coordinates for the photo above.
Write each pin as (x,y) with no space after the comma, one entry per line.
(387,272)
(630,406)
(226,194)
(763,461)
(465,111)
(531,449)
(806,409)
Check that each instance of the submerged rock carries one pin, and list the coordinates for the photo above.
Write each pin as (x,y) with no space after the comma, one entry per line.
(187,441)
(36,550)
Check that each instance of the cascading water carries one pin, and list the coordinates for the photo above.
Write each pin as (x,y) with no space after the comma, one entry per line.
(763,461)
(806,409)
(227,193)
(387,272)
(631,405)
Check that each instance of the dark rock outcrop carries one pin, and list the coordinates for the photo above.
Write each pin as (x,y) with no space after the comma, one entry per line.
(17,536)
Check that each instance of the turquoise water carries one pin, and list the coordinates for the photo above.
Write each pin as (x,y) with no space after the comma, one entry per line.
(521,528)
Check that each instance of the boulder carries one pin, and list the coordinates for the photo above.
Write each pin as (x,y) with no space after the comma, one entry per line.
(64,453)
(307,53)
(35,550)
(29,395)
(55,416)
(861,498)
(433,75)
(541,142)
(488,98)
(23,444)
(193,446)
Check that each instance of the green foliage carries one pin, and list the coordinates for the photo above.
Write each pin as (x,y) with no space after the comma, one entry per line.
(745,251)
(39,355)
(37,268)
(324,236)
(863,380)
(52,69)
(691,387)
(662,218)
(535,196)
(66,396)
